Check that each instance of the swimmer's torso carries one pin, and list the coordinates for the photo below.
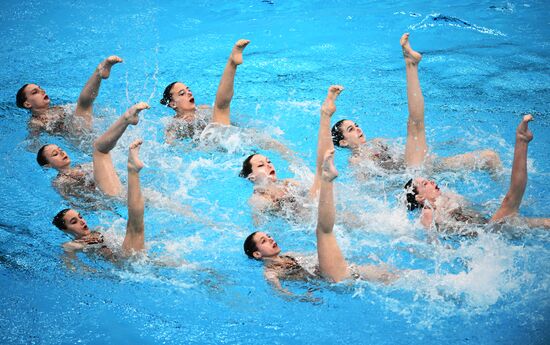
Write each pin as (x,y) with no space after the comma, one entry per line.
(76,181)
(281,197)
(288,268)
(378,153)
(452,215)
(181,128)
(53,121)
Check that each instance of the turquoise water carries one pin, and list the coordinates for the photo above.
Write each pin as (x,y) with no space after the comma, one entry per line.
(485,63)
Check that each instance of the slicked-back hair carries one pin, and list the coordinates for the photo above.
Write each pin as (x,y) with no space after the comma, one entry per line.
(166,96)
(247,167)
(20,97)
(58,220)
(412,192)
(250,246)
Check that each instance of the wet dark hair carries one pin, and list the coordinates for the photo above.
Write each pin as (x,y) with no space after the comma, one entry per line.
(412,192)
(58,219)
(250,246)
(41,156)
(337,133)
(20,97)
(247,166)
(166,97)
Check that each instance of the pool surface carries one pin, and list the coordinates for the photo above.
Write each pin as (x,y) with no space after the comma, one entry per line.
(485,63)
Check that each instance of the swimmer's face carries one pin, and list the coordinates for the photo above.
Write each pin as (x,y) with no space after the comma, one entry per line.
(36,97)
(262,170)
(427,190)
(353,135)
(181,98)
(267,247)
(75,225)
(56,157)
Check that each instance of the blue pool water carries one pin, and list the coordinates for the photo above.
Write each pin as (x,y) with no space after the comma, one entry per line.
(485,63)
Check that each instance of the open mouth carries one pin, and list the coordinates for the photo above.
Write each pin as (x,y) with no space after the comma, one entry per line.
(46,97)
(192,100)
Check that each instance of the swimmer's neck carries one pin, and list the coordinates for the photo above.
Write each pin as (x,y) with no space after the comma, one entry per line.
(273,259)
(65,170)
(265,183)
(40,113)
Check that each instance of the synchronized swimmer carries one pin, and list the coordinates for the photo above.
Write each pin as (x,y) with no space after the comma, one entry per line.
(287,198)
(53,119)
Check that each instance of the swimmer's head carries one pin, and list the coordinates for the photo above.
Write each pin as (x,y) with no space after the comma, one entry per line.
(346,133)
(31,96)
(258,168)
(71,222)
(259,245)
(178,97)
(419,190)
(52,156)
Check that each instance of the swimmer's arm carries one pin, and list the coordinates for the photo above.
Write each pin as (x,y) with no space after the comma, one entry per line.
(73,246)
(265,142)
(203,107)
(273,279)
(427,217)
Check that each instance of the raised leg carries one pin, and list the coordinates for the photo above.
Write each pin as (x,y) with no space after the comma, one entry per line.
(104,171)
(324,141)
(135,228)
(512,200)
(225,88)
(331,261)
(84,106)
(415,148)
(483,160)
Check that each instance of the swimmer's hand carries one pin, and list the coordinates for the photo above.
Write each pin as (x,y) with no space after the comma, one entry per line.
(427,216)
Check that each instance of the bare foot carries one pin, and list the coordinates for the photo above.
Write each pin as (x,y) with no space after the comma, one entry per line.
(411,56)
(523,133)
(104,67)
(134,163)
(329,170)
(236,56)
(132,113)
(328,107)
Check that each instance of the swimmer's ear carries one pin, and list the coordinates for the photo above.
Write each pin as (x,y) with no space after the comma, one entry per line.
(419,198)
(27,105)
(257,255)
(172,104)
(251,178)
(343,143)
